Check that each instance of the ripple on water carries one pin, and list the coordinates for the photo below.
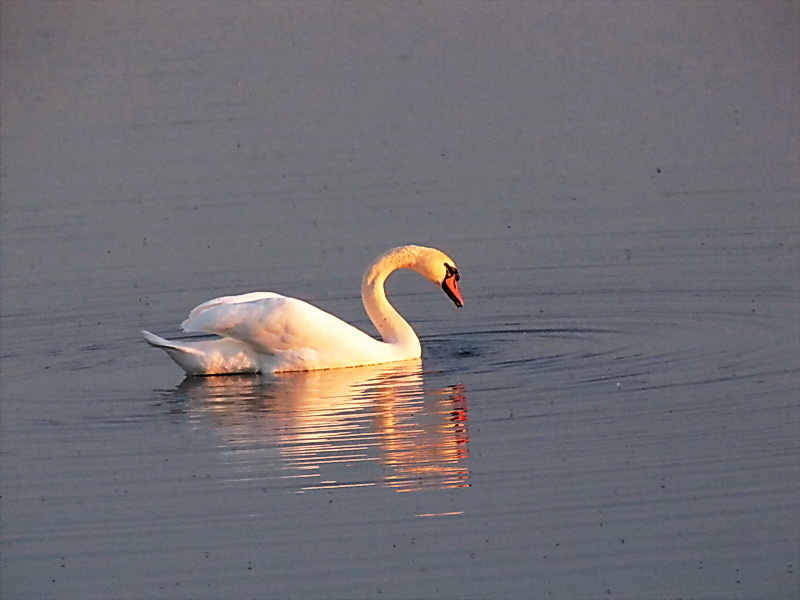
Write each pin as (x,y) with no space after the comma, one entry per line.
(676,343)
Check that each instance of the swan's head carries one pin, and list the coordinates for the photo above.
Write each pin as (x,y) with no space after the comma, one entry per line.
(431,263)
(439,268)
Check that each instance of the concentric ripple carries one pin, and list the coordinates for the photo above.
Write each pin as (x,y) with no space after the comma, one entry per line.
(680,343)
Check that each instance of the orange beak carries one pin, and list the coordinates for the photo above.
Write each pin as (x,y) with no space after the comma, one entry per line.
(450,287)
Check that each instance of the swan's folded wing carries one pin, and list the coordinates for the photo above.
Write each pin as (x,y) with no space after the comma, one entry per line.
(271,323)
(227,300)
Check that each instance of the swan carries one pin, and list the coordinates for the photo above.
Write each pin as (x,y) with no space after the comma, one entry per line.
(264,332)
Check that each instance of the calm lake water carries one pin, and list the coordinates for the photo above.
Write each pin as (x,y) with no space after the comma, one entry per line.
(613,414)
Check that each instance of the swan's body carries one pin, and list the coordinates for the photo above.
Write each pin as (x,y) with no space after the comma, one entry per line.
(264,332)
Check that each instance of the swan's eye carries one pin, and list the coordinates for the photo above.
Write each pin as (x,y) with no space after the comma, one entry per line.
(451,272)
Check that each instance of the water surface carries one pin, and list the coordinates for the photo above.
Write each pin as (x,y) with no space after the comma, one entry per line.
(614,413)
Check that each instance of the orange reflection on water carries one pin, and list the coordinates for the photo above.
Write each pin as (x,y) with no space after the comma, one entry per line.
(425,442)
(341,428)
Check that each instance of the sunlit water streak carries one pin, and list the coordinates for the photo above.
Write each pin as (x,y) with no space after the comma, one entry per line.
(319,430)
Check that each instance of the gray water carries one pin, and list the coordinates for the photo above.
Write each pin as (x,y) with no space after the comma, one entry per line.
(614,413)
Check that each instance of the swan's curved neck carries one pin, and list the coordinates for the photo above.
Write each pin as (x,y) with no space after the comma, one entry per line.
(393,328)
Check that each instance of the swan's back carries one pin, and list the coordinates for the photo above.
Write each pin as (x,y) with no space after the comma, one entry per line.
(290,333)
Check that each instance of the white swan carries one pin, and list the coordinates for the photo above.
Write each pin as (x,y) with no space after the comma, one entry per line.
(264,332)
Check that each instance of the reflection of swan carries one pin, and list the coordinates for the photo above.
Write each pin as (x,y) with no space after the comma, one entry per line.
(425,446)
(340,428)
(267,332)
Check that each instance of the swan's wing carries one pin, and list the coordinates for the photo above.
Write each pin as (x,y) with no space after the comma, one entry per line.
(226,300)
(272,323)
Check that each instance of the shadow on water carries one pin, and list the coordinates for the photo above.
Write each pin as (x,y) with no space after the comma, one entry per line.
(334,429)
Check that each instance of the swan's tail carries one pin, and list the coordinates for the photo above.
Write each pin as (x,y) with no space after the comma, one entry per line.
(212,357)
(157,342)
(189,358)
